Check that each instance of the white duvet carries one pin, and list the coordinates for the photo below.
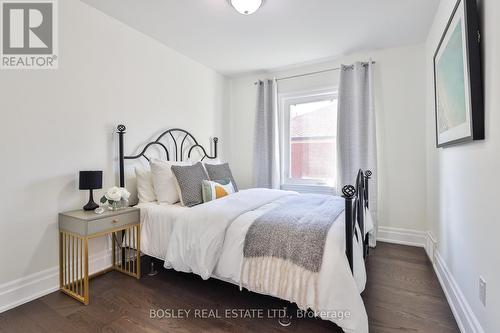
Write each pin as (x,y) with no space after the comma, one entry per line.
(157,224)
(208,240)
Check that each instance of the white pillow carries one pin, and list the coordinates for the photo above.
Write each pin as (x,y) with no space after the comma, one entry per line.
(214,161)
(164,181)
(145,189)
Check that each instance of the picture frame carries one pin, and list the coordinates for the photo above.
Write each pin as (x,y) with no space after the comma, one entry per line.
(459,108)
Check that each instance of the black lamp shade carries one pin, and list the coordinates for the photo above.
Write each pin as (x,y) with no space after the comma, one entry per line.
(90,180)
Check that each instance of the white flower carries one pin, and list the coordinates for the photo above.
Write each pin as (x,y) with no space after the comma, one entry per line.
(125,194)
(114,194)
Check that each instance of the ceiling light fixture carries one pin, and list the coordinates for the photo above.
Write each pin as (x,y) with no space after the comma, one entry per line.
(246,7)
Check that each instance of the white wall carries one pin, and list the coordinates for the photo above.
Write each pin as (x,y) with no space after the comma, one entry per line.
(463,183)
(57,122)
(400,105)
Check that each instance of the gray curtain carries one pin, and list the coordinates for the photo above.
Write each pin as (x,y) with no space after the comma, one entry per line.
(267,154)
(356,136)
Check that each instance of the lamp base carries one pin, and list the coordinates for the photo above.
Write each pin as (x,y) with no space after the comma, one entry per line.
(91,205)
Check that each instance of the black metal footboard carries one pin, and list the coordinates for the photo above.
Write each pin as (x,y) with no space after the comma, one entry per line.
(356,201)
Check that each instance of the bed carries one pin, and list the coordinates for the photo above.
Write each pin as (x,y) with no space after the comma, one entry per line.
(209,240)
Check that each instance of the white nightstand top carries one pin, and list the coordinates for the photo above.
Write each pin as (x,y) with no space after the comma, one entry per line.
(89,224)
(89,215)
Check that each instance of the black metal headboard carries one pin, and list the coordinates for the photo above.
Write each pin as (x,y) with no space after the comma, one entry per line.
(175,135)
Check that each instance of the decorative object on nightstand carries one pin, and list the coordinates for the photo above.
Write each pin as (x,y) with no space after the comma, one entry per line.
(75,230)
(116,198)
(90,180)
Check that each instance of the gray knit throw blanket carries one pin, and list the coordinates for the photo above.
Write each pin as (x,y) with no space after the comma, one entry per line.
(284,247)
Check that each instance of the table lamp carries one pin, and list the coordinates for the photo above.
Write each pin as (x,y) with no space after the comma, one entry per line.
(90,180)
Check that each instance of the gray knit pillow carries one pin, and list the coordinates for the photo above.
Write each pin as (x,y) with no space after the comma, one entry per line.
(190,179)
(220,171)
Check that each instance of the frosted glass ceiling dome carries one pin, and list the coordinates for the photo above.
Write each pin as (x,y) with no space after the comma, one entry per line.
(246,7)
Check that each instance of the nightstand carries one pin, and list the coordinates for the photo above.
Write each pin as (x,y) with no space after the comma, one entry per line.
(75,230)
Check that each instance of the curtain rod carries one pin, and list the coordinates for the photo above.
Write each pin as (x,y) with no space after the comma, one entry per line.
(307,74)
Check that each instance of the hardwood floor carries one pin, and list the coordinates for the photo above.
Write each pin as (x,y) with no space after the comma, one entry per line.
(402,295)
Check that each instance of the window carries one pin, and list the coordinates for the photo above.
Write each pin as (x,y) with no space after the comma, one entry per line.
(310,134)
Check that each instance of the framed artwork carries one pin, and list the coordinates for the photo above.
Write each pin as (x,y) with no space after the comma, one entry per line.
(457,78)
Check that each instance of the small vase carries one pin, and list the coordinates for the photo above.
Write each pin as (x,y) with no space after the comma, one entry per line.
(118,205)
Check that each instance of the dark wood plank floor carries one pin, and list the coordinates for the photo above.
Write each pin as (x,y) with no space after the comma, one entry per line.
(402,295)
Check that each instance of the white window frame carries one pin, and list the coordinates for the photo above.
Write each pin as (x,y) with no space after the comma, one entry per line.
(286,100)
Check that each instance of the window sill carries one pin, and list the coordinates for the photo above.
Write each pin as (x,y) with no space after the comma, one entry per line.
(318,189)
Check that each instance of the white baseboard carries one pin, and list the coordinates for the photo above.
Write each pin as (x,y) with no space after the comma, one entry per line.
(466,319)
(431,246)
(28,288)
(401,236)
(23,290)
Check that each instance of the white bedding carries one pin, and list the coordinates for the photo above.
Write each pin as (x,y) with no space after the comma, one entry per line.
(157,223)
(208,240)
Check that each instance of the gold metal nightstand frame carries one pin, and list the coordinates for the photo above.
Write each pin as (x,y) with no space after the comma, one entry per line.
(74,259)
